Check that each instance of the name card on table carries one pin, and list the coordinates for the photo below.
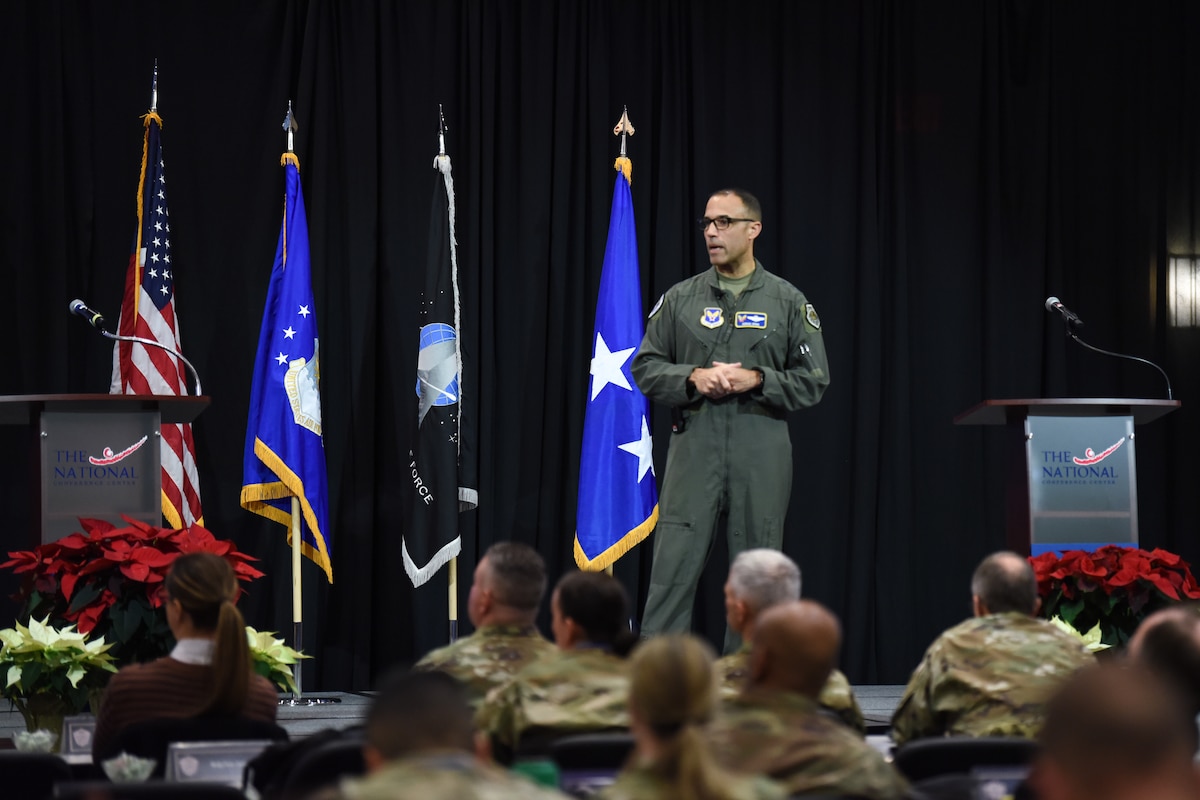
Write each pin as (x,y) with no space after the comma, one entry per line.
(211,762)
(77,734)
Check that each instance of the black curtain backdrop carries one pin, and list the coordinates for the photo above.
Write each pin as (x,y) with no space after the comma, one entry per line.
(930,172)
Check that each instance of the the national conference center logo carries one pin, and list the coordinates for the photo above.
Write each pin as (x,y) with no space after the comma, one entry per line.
(1063,467)
(80,468)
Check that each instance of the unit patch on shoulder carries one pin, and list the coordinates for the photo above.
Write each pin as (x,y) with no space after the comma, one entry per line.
(657,305)
(810,316)
(712,317)
(750,319)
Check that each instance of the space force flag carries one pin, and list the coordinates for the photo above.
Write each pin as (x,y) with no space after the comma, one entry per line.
(285,455)
(442,442)
(618,499)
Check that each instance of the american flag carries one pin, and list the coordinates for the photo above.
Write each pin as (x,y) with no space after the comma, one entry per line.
(148,311)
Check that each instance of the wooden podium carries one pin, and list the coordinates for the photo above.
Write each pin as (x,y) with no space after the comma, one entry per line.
(94,455)
(1071,473)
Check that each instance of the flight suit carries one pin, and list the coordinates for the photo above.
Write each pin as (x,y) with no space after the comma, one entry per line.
(732,455)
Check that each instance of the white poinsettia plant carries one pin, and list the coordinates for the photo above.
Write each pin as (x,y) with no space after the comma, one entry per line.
(1091,639)
(273,659)
(39,659)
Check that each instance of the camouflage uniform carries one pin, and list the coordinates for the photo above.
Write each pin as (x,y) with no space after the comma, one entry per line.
(988,676)
(489,657)
(449,776)
(836,695)
(567,692)
(642,782)
(784,736)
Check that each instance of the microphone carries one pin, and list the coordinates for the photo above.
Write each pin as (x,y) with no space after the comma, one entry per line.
(1069,316)
(1073,322)
(96,320)
(94,317)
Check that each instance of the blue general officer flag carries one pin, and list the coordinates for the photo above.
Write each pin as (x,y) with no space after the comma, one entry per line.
(285,455)
(618,498)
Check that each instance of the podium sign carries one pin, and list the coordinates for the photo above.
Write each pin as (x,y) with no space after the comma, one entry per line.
(101,465)
(1082,482)
(90,455)
(1072,472)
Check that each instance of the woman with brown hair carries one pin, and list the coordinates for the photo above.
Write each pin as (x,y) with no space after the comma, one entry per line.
(672,694)
(209,673)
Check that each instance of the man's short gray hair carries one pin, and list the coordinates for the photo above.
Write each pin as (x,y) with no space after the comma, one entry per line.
(763,578)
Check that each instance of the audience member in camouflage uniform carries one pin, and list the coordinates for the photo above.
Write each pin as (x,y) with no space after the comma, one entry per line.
(582,687)
(418,745)
(505,595)
(672,695)
(776,728)
(991,675)
(759,579)
(1116,732)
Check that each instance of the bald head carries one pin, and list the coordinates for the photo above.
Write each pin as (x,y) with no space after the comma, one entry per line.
(795,647)
(1004,582)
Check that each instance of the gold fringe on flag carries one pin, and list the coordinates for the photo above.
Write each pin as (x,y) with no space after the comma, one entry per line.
(147,118)
(625,167)
(289,158)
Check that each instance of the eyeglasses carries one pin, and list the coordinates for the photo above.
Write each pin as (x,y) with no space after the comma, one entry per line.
(722,222)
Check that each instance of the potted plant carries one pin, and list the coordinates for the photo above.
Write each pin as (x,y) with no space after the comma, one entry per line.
(273,659)
(1114,587)
(107,580)
(51,672)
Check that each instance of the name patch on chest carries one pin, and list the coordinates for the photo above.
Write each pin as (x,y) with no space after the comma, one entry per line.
(712,318)
(750,319)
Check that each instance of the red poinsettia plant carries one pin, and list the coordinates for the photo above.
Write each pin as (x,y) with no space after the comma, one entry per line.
(107,581)
(1113,587)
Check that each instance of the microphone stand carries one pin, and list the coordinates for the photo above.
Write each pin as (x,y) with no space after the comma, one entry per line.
(1071,332)
(191,368)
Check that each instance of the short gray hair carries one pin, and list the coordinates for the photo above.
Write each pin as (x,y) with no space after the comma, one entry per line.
(763,578)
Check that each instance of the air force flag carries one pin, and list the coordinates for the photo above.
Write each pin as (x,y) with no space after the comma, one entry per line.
(618,498)
(285,454)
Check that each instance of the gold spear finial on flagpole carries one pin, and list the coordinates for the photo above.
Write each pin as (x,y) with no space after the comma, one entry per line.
(623,129)
(290,127)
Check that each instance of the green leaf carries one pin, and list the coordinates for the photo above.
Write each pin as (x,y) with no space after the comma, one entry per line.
(125,621)
(1069,610)
(85,593)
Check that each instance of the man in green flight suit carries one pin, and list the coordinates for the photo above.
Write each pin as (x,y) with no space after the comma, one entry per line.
(731,350)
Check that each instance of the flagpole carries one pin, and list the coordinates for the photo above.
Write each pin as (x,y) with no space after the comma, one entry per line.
(452,570)
(154,90)
(297,595)
(289,128)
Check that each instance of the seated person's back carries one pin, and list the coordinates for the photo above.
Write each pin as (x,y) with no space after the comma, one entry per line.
(583,687)
(506,591)
(210,670)
(775,726)
(991,675)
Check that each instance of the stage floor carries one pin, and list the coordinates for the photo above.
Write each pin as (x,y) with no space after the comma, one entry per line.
(300,719)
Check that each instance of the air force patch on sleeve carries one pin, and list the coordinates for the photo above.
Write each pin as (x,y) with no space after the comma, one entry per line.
(750,319)
(712,317)
(810,316)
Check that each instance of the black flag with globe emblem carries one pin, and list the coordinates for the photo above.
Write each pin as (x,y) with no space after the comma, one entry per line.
(442,442)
